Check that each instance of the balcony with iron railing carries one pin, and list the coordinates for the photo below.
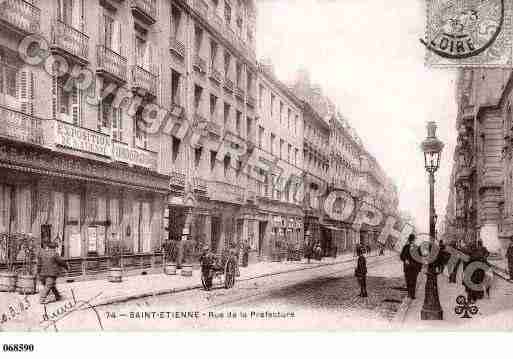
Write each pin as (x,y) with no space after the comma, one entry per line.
(177,179)
(200,184)
(20,16)
(251,100)
(215,75)
(200,64)
(111,64)
(146,10)
(21,127)
(177,46)
(239,93)
(228,84)
(66,40)
(145,80)
(218,23)
(202,7)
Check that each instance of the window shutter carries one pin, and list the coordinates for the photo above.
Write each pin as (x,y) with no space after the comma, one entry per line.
(55,97)
(118,42)
(101,29)
(75,105)
(26,91)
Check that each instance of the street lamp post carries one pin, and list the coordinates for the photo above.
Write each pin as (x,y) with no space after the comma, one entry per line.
(432,148)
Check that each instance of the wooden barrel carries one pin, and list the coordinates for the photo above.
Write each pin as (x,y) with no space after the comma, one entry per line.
(115,275)
(26,284)
(170,269)
(7,281)
(186,270)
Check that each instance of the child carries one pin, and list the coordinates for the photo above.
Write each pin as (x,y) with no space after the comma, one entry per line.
(361,272)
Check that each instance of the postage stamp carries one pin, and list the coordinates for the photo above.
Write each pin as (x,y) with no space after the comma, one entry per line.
(468,33)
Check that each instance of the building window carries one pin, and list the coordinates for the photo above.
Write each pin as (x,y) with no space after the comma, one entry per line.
(289,152)
(238,124)
(226,115)
(213,105)
(260,136)
(282,149)
(238,74)
(296,153)
(272,104)
(213,155)
(227,13)
(227,60)
(273,138)
(175,88)
(176,17)
(289,115)
(213,54)
(198,37)
(260,96)
(198,91)
(281,112)
(141,136)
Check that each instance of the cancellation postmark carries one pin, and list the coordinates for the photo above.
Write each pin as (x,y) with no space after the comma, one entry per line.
(468,33)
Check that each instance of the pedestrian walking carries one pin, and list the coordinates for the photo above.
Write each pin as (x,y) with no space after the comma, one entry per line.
(411,266)
(454,269)
(49,264)
(360,273)
(509,257)
(381,249)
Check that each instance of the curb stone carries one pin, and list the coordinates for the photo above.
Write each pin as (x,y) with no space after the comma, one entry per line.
(126,298)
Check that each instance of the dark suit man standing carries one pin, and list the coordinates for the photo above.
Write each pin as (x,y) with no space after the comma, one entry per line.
(411,266)
(48,268)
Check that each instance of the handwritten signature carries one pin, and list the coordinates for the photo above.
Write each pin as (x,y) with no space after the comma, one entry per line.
(50,319)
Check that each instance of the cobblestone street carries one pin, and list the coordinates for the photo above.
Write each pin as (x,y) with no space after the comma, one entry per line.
(320,298)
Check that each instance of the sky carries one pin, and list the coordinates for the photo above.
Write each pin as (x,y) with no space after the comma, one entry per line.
(368,59)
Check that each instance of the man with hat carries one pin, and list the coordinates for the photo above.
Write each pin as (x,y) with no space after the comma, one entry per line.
(411,266)
(509,257)
(48,269)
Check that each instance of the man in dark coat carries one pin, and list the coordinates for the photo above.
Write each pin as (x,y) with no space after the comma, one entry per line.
(411,266)
(473,280)
(360,272)
(454,270)
(49,264)
(509,257)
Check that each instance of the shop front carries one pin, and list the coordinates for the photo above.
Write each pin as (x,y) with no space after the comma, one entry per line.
(88,207)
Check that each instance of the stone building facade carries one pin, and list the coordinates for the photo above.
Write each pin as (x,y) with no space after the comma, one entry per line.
(480,201)
(77,165)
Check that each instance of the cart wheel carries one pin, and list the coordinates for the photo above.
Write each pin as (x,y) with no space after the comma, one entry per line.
(206,281)
(229,274)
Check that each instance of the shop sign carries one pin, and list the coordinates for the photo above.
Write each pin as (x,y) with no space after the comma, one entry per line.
(82,139)
(75,241)
(133,156)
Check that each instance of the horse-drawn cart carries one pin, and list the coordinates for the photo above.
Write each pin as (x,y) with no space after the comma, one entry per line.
(221,266)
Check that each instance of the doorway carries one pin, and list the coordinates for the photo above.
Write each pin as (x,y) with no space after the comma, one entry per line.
(216,233)
(262,226)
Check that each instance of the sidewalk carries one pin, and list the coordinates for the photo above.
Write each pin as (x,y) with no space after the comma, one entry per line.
(102,292)
(494,312)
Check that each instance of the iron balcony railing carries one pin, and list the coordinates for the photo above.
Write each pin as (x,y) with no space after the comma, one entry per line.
(216,75)
(200,64)
(201,7)
(144,79)
(177,46)
(111,62)
(239,93)
(19,126)
(69,39)
(200,184)
(21,15)
(148,8)
(228,84)
(177,179)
